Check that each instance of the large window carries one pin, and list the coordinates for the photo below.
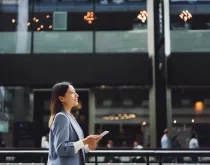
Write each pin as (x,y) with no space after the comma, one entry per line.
(83,26)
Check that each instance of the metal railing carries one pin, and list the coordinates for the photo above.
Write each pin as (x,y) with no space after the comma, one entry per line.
(37,156)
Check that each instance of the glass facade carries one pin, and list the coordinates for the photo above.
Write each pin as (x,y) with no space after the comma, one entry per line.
(47,26)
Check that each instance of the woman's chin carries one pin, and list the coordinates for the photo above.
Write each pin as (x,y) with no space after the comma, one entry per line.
(76,103)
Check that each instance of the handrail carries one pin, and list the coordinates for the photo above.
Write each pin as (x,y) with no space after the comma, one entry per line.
(118,152)
(149,152)
(158,153)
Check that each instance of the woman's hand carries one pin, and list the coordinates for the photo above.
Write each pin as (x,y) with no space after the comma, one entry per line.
(92,147)
(92,140)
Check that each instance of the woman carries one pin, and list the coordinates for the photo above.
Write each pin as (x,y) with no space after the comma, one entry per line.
(67,144)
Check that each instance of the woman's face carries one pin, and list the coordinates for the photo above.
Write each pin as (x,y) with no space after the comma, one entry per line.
(70,99)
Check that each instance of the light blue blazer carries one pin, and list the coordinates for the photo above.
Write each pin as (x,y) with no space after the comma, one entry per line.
(63,133)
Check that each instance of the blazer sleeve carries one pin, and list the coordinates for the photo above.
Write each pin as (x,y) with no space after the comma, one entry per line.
(63,147)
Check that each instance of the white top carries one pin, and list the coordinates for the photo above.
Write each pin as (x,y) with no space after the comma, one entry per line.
(193,143)
(138,147)
(165,141)
(78,145)
(44,142)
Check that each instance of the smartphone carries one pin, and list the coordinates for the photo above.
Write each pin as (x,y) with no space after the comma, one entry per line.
(104,133)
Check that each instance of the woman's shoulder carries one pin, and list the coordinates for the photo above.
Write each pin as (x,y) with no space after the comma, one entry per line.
(60,120)
(61,117)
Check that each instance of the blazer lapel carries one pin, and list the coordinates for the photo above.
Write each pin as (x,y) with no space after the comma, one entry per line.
(74,124)
(79,131)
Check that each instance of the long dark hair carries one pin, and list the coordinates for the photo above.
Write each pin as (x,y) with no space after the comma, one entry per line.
(56,106)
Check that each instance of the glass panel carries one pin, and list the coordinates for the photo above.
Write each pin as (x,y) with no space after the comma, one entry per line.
(190,26)
(14,35)
(63,42)
(191,113)
(9,42)
(124,112)
(121,26)
(192,41)
(121,41)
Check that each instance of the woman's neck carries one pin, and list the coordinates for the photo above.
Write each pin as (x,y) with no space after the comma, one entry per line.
(67,109)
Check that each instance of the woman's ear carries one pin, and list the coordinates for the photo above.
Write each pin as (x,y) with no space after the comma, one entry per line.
(60,98)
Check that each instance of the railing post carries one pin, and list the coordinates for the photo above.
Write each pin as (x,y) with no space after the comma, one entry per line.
(160,159)
(96,160)
(147,160)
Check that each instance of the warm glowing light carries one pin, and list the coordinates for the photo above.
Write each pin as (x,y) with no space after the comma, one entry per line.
(28,24)
(50,27)
(13,20)
(192,120)
(102,86)
(174,121)
(34,18)
(142,16)
(185,15)
(37,20)
(144,123)
(42,26)
(119,117)
(199,106)
(89,17)
(47,16)
(116,118)
(38,29)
